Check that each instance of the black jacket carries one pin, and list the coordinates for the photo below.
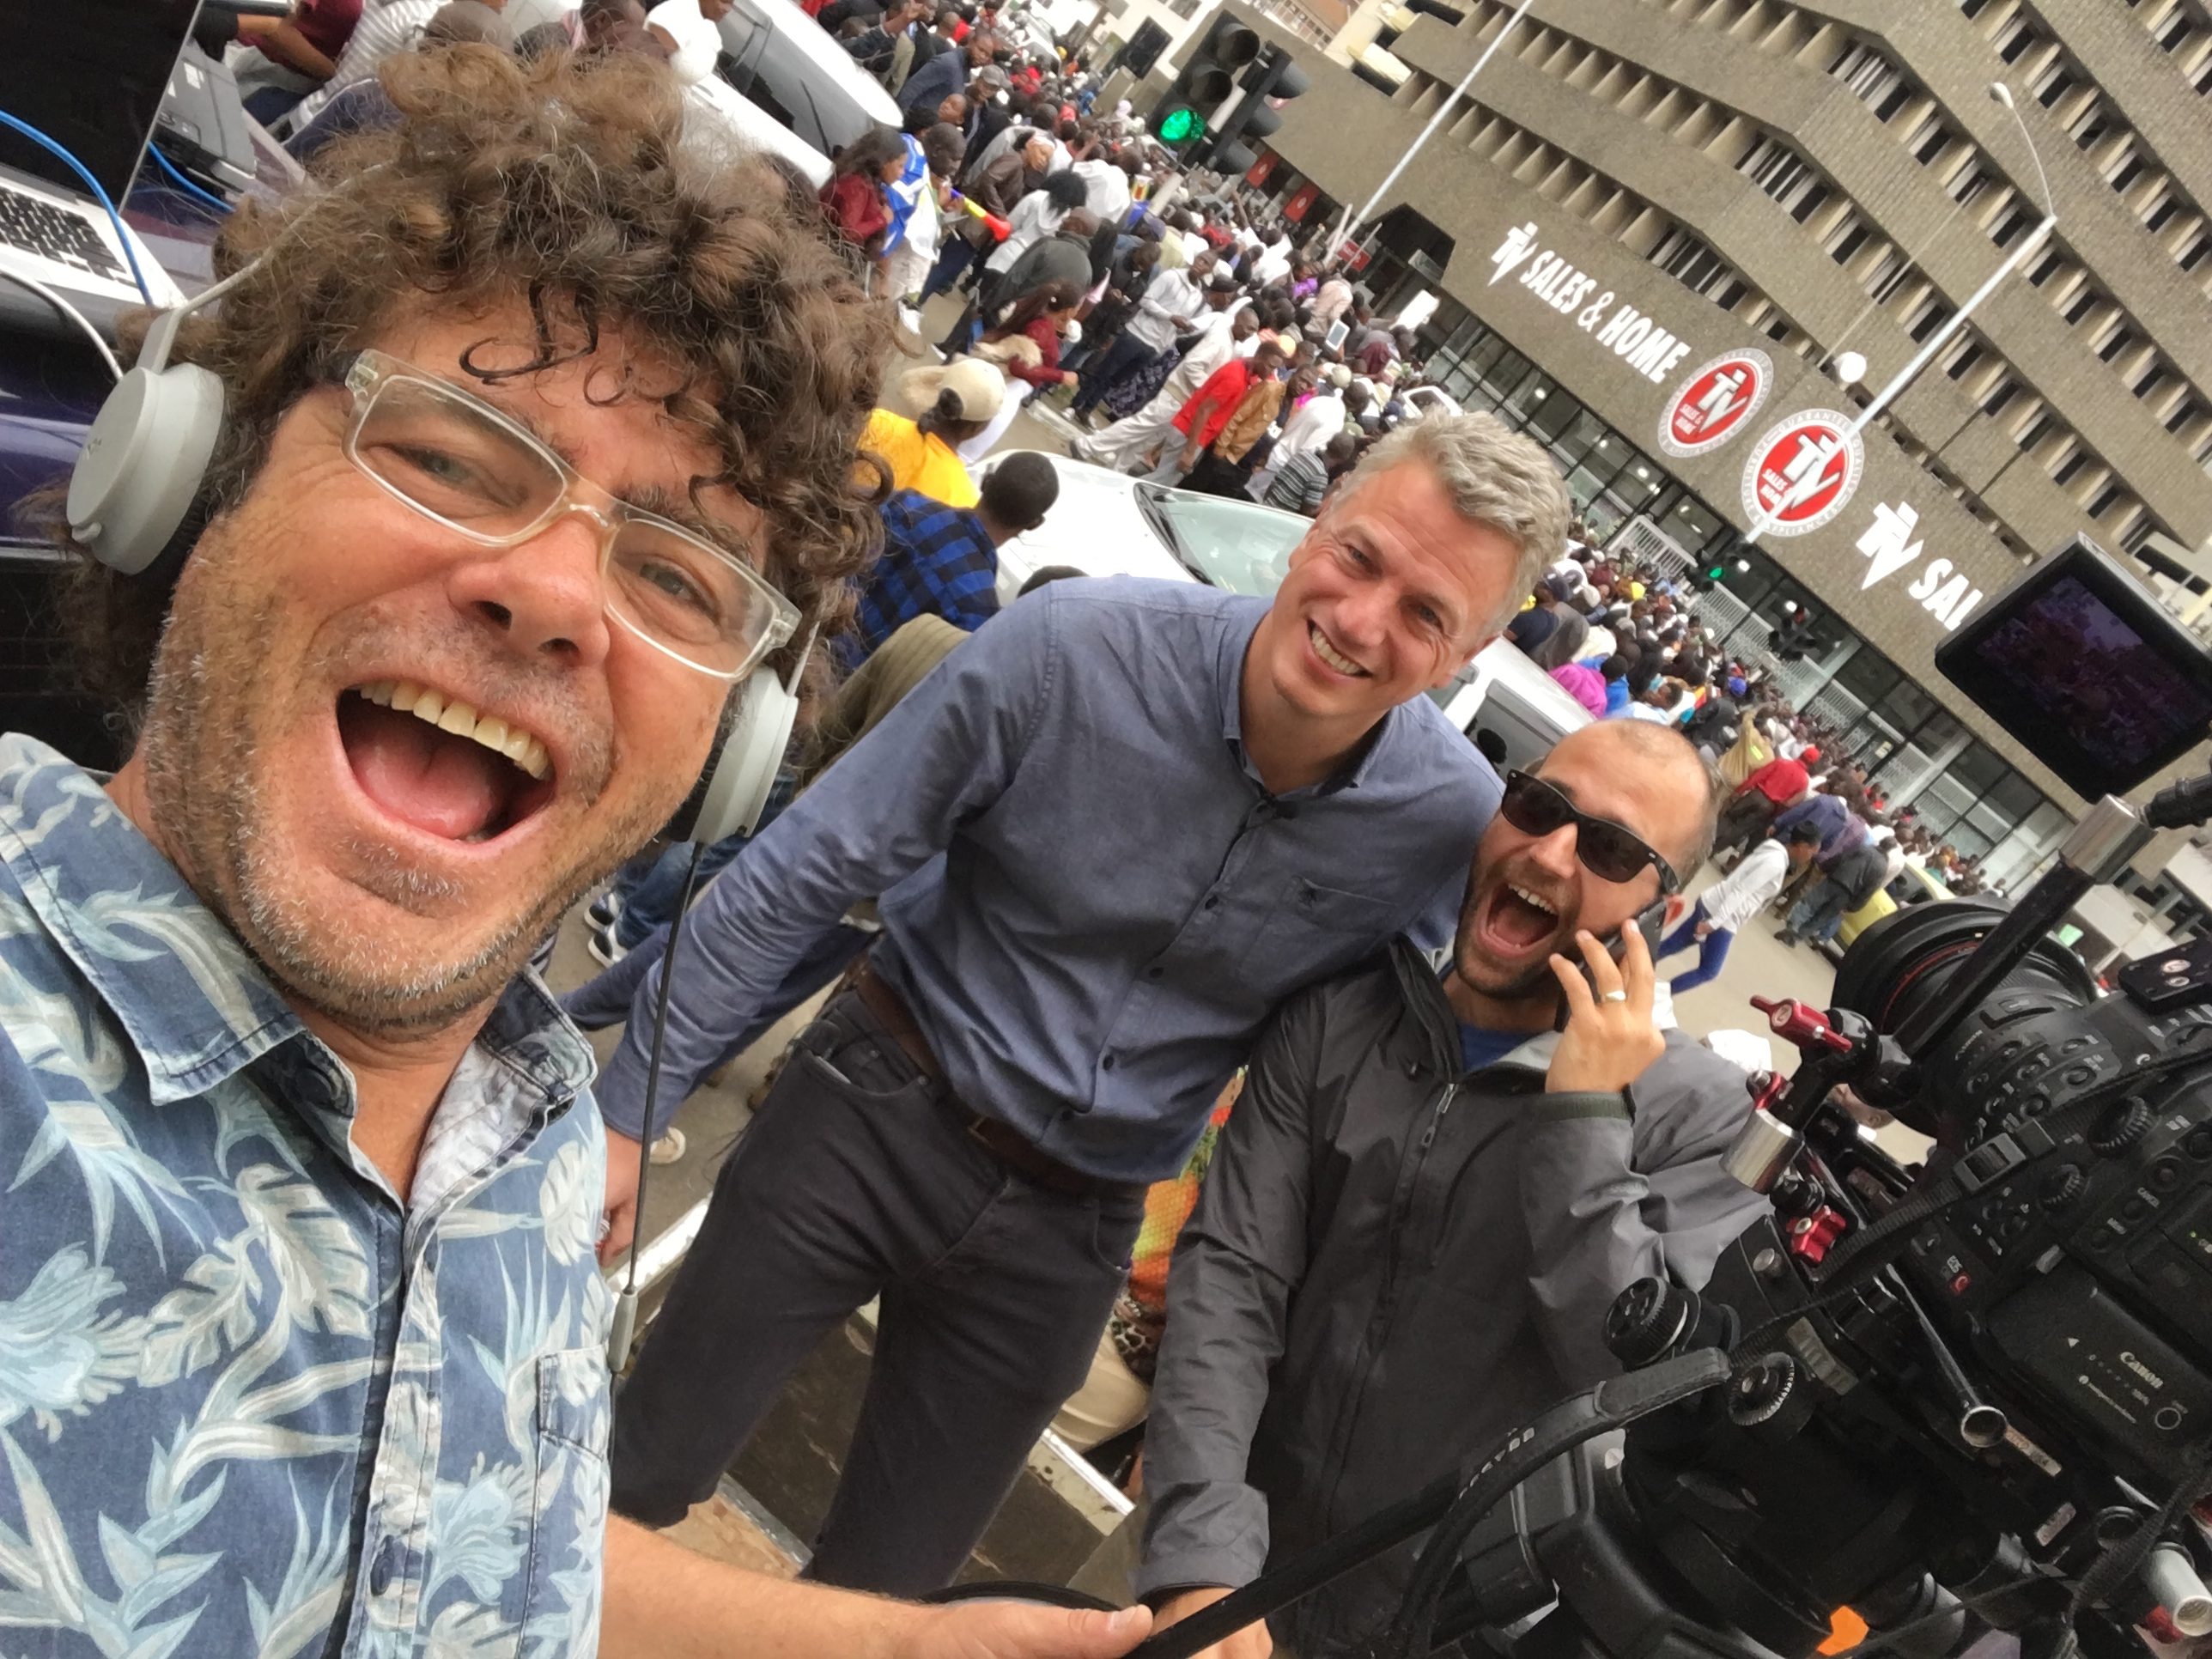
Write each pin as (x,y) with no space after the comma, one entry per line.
(1859,873)
(1391,1265)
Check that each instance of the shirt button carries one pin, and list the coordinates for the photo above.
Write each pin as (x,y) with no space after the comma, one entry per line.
(1213,901)
(1106,1064)
(1154,971)
(380,1570)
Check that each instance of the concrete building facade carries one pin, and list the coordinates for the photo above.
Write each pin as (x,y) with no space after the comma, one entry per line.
(1654,225)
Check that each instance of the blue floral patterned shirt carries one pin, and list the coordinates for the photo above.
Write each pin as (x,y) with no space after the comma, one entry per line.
(250,1402)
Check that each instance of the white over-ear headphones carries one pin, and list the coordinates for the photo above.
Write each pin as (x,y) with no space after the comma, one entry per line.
(144,463)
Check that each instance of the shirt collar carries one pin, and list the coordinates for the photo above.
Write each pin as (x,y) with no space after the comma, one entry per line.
(195,1006)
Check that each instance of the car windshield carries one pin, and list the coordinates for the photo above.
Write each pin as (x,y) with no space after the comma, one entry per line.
(1240,547)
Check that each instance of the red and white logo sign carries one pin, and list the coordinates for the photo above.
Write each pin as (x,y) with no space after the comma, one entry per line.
(1801,471)
(1715,401)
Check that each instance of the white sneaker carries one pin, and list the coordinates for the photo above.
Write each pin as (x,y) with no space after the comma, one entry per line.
(606,949)
(668,1148)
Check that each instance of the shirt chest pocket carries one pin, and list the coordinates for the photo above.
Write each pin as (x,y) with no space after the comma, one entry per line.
(569,1520)
(1311,931)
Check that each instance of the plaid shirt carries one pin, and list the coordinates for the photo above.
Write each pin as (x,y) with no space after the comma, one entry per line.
(937,559)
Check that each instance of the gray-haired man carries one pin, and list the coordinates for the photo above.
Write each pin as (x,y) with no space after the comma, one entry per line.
(1116,828)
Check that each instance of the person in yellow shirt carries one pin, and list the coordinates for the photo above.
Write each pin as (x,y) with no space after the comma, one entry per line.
(958,401)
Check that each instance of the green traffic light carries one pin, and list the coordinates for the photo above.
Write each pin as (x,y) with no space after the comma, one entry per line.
(1716,573)
(1178,124)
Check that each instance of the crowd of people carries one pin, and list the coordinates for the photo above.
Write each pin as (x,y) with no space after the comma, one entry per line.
(547,427)
(1622,637)
(1212,351)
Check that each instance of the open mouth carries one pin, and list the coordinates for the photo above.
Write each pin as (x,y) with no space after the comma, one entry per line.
(1518,921)
(1333,659)
(440,767)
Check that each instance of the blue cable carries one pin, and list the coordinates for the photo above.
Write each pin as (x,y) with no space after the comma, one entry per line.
(85,173)
(205,197)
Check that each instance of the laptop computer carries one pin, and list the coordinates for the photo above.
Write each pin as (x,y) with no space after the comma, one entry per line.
(90,75)
(201,127)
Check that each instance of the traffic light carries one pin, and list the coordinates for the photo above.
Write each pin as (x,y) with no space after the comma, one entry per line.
(1203,81)
(1271,75)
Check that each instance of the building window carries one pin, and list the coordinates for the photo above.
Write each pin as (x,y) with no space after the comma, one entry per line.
(1931,319)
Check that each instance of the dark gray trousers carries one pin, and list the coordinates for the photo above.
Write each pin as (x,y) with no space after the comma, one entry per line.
(855,1180)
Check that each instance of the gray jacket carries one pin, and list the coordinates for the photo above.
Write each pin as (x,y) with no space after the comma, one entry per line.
(1059,257)
(1391,1265)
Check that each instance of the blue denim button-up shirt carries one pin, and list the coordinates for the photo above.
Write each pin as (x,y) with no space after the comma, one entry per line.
(250,1402)
(1090,901)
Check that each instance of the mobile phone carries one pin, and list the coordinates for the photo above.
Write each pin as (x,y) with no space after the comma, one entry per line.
(1650,922)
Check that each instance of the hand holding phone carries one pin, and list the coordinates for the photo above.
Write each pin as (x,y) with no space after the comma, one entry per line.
(1609,1038)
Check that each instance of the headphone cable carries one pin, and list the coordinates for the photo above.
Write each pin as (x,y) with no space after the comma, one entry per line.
(625,1321)
(60,302)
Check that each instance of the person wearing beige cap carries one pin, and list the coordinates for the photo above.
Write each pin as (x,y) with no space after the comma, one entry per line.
(957,401)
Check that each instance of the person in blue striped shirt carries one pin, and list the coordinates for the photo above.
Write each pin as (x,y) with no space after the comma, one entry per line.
(944,559)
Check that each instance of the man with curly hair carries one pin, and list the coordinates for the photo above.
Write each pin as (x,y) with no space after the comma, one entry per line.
(539,435)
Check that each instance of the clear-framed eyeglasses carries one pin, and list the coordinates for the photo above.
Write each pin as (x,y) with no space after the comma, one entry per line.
(463,464)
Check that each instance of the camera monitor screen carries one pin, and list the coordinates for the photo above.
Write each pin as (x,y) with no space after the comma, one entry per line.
(2083,666)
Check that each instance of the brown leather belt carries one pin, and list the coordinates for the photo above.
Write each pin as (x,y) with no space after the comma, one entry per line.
(1002,1141)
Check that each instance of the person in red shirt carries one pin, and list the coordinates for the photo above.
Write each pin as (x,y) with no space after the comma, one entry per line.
(1040,316)
(1774,786)
(854,200)
(1201,419)
(307,45)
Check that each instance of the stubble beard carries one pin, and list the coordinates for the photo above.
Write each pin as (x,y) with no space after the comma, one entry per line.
(206,784)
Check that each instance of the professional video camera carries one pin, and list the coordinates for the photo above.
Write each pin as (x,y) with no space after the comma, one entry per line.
(1976,1395)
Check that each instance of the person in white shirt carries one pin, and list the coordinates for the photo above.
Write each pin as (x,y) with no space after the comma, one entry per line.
(1273,263)
(1307,428)
(1171,307)
(1105,188)
(1732,900)
(1884,837)
(1601,641)
(1035,217)
(1128,445)
(1331,302)
(1656,703)
(384,32)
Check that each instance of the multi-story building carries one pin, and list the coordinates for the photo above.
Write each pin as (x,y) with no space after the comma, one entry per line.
(1655,226)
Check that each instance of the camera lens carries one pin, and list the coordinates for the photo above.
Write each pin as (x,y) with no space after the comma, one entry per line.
(1905,960)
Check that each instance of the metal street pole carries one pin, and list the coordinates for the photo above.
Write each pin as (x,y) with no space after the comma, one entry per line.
(1350,219)
(1810,481)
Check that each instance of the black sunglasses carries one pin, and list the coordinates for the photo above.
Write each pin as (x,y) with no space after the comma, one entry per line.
(1611,852)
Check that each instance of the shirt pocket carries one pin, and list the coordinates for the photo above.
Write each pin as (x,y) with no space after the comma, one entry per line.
(569,1518)
(1312,931)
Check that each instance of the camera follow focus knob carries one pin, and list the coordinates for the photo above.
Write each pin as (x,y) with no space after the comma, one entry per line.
(1645,1320)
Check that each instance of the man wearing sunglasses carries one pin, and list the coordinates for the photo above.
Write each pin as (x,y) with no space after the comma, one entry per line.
(302,1339)
(1430,1192)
